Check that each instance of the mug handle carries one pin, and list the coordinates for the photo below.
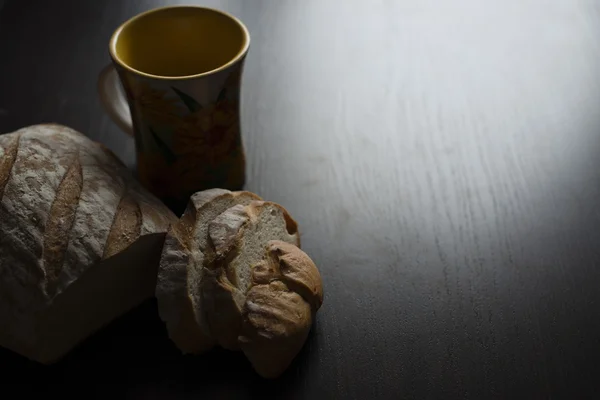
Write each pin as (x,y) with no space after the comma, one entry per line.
(113,98)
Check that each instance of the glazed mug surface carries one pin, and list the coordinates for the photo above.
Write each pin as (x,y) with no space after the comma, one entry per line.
(180,70)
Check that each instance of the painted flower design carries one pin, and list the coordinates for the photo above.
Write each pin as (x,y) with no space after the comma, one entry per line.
(190,146)
(208,135)
(152,104)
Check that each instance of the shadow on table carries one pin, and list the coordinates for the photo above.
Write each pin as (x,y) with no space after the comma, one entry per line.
(133,358)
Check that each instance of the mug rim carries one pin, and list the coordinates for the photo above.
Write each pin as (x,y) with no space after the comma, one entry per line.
(239,56)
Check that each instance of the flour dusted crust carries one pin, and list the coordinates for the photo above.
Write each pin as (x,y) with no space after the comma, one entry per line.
(69,206)
(232,274)
(228,279)
(285,293)
(261,292)
(185,255)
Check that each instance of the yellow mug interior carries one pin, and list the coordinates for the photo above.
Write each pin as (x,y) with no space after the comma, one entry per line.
(179,42)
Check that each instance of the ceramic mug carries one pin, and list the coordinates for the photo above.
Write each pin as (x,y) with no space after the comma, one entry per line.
(180,68)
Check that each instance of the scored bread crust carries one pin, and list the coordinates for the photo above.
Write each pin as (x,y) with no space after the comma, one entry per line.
(184,255)
(258,292)
(67,204)
(285,294)
(261,292)
(226,280)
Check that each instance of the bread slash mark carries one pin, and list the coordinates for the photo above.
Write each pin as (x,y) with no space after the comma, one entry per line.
(60,221)
(126,226)
(7,161)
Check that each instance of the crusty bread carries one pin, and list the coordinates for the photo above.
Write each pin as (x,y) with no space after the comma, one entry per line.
(185,254)
(231,274)
(239,236)
(284,295)
(79,240)
(262,291)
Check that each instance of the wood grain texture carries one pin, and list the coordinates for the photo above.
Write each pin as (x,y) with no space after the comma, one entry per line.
(442,159)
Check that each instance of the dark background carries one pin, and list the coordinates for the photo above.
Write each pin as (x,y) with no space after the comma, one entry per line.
(442,159)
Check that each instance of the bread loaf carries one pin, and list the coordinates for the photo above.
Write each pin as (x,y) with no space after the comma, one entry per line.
(231,274)
(239,237)
(265,291)
(185,255)
(281,302)
(80,240)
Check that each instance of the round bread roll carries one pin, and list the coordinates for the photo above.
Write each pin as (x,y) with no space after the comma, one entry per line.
(281,302)
(185,254)
(234,276)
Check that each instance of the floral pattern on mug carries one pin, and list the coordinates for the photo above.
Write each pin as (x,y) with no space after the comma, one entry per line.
(184,146)
(154,104)
(207,135)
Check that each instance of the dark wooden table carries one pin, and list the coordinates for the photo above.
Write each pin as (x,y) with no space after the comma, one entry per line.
(442,158)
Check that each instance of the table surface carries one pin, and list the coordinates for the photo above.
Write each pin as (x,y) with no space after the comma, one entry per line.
(442,159)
